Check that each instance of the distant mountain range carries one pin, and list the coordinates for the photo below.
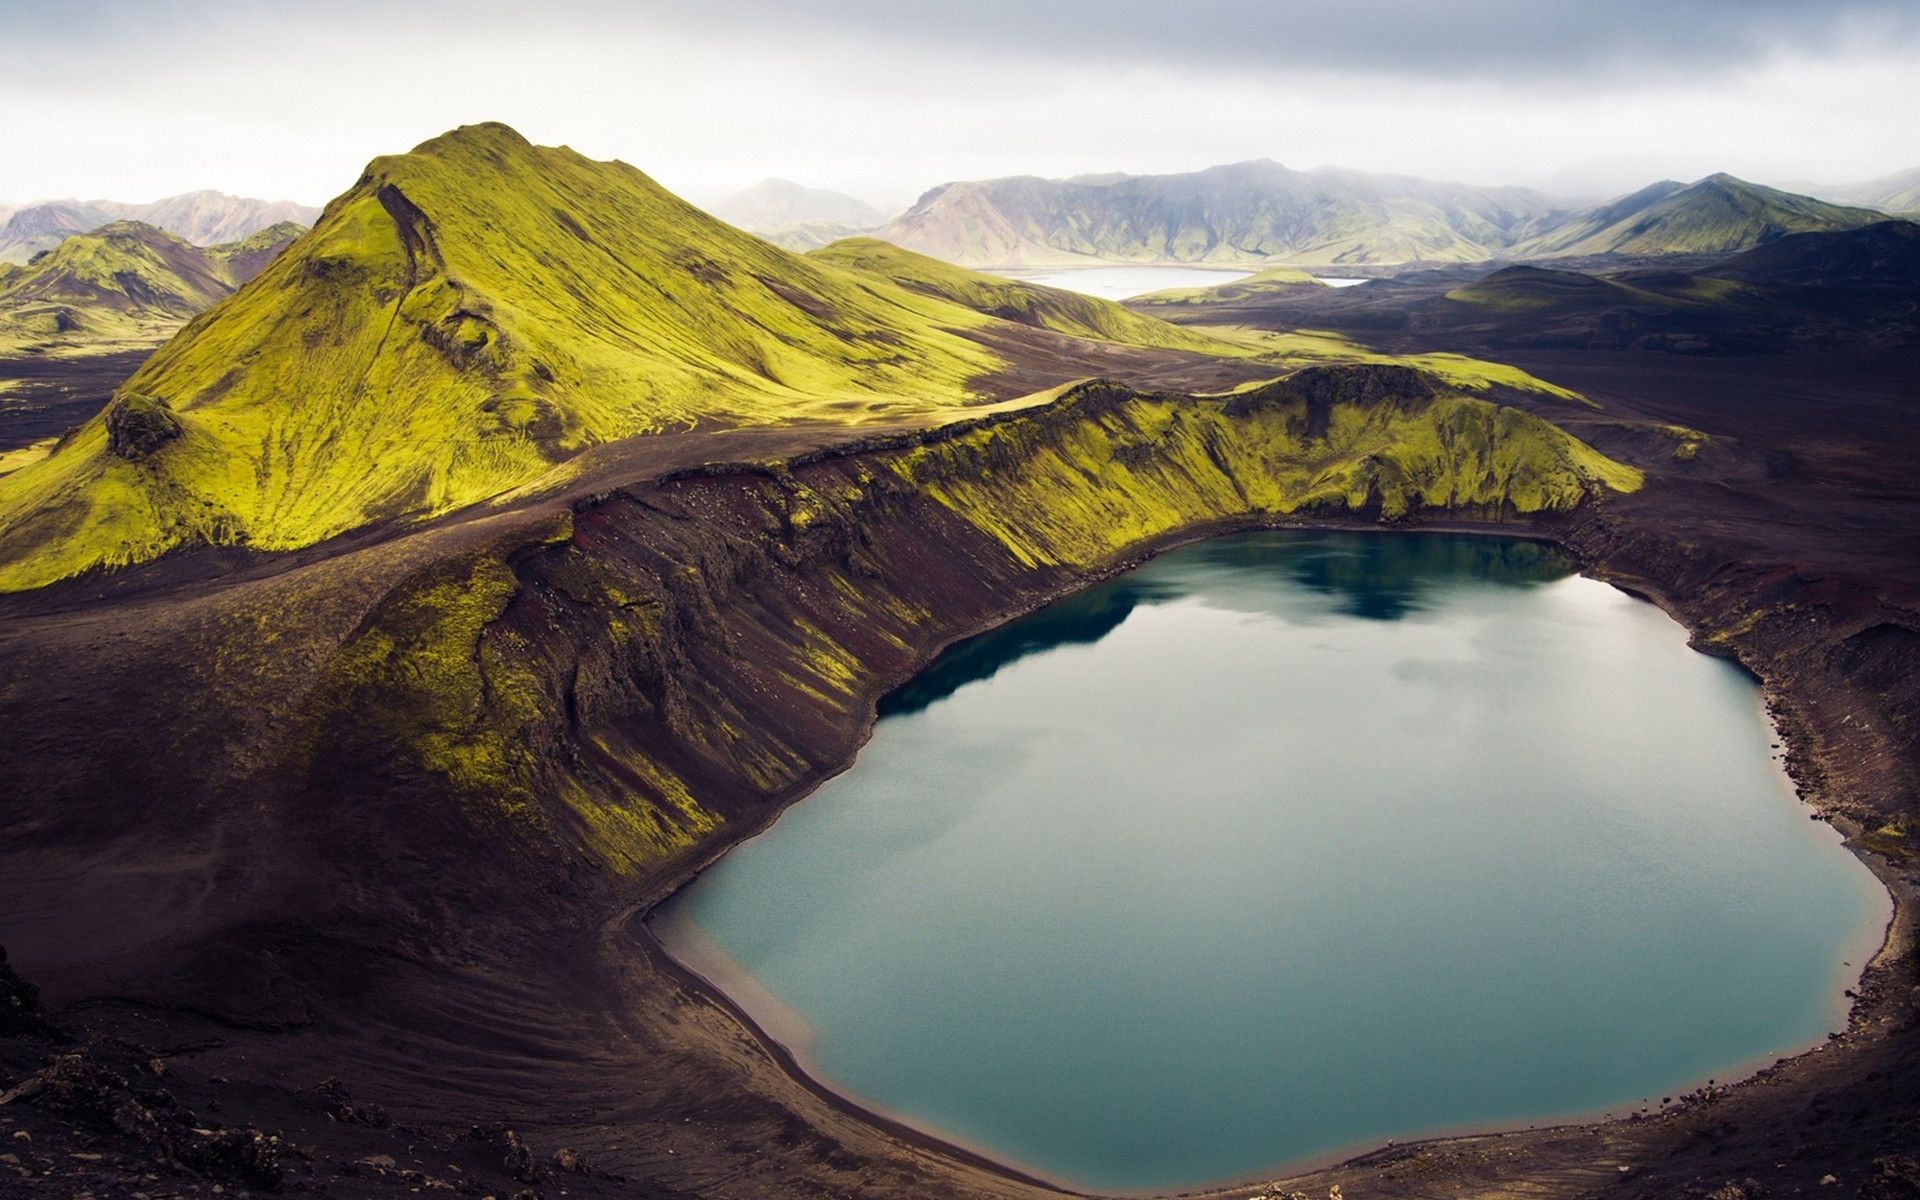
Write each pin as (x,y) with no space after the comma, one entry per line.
(204,218)
(1263,212)
(124,284)
(1718,215)
(798,217)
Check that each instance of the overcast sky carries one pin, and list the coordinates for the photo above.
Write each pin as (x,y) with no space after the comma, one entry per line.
(883,98)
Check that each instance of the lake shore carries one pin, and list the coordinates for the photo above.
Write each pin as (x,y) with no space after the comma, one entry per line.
(551,1015)
(785,1036)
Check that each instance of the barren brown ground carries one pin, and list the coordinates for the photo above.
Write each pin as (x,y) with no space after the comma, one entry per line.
(181,900)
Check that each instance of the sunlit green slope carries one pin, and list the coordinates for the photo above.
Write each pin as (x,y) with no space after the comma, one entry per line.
(1012,300)
(464,317)
(1270,282)
(1718,215)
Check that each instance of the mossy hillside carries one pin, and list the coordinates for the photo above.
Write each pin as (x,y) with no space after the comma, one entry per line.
(439,686)
(1285,276)
(1533,289)
(1281,450)
(808,236)
(125,264)
(472,314)
(1025,303)
(123,284)
(464,317)
(1720,214)
(238,262)
(1261,283)
(693,640)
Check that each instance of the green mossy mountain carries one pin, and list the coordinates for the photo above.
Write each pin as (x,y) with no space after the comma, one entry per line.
(124,283)
(464,319)
(1529,288)
(471,316)
(1718,215)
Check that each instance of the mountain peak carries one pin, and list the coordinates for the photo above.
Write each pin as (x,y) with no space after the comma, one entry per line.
(482,135)
(459,321)
(1722,181)
(135,230)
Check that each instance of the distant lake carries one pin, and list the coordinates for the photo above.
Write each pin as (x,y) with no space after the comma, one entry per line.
(1291,843)
(1124,283)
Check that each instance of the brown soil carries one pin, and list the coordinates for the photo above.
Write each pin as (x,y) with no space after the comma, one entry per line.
(210,860)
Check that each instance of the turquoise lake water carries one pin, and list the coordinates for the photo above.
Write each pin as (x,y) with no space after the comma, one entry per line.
(1290,843)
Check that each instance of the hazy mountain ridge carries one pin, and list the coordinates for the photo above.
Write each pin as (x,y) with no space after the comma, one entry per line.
(1242,212)
(203,217)
(1897,193)
(1261,211)
(809,236)
(775,204)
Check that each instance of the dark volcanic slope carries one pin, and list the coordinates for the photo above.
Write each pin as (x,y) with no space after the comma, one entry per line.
(1808,291)
(46,397)
(408,842)
(384,809)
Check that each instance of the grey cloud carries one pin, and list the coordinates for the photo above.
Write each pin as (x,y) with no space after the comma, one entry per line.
(1583,41)
(1477,39)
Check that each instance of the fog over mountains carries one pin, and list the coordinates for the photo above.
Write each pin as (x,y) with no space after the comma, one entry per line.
(1262,211)
(1896,193)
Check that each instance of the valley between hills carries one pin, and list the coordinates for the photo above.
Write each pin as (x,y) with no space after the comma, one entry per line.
(468,571)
